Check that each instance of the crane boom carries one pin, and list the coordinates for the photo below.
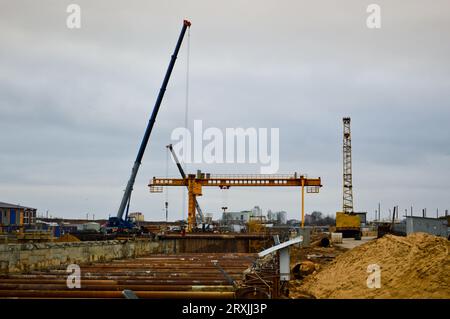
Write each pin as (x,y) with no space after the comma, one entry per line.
(151,122)
(183,175)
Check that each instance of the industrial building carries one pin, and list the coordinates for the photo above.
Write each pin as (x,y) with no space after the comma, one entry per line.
(16,217)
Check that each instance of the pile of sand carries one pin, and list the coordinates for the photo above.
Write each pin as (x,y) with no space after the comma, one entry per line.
(417,266)
(67,238)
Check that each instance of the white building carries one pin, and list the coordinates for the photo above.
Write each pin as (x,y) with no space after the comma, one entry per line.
(208,218)
(256,211)
(282,217)
(277,217)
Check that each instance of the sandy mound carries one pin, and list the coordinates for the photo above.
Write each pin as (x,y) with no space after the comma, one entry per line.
(67,238)
(417,266)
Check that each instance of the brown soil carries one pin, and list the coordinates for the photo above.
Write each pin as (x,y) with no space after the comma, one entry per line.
(67,238)
(417,266)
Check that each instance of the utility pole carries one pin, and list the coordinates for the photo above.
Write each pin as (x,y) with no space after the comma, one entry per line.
(167,210)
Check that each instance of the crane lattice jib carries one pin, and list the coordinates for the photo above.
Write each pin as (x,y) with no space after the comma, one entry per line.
(347,168)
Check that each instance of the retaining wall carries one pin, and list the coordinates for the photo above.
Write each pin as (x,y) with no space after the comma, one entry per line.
(41,256)
(32,256)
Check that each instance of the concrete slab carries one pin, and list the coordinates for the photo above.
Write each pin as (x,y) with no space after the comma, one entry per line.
(350,243)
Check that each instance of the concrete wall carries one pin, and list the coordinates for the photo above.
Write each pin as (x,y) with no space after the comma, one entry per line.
(35,256)
(24,257)
(213,243)
(204,245)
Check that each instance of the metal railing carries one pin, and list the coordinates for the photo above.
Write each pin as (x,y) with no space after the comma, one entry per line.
(255,176)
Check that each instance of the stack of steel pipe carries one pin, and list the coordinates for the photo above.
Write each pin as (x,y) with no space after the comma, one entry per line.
(206,275)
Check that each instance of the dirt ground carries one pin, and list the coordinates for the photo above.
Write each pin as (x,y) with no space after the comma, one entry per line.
(417,266)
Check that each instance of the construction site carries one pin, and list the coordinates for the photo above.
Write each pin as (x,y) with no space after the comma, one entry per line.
(241,255)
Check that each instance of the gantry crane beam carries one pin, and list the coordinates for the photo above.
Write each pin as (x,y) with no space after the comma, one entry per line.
(194,183)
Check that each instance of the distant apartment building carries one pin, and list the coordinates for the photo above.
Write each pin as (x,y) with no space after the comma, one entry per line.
(209,218)
(236,217)
(256,211)
(13,217)
(277,217)
(270,215)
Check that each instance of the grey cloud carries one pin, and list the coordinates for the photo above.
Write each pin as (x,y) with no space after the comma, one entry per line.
(74,103)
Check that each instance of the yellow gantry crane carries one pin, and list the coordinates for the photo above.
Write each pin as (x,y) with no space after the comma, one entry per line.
(195,183)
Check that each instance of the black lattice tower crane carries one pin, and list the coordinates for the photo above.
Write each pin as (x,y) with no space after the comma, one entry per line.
(347,172)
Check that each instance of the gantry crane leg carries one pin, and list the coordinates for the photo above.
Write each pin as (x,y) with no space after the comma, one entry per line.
(191,212)
(303,203)
(194,190)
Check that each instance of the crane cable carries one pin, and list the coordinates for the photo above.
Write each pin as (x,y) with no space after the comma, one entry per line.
(186,112)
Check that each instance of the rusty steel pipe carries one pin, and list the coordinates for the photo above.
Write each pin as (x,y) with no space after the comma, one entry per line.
(157,282)
(115,294)
(63,287)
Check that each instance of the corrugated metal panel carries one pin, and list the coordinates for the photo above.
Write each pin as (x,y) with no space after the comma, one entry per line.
(432,226)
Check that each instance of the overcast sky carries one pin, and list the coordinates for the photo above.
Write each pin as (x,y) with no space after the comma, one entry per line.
(74,103)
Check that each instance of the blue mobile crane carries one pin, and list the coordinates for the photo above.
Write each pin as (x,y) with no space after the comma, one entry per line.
(120,223)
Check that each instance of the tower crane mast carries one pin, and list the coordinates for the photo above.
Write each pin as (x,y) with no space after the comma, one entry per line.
(347,203)
(347,221)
